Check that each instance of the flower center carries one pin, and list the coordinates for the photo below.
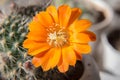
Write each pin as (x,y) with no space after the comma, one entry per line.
(57,36)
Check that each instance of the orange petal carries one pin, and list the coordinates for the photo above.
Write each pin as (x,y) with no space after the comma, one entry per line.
(69,55)
(27,43)
(55,57)
(35,26)
(35,47)
(40,59)
(37,36)
(91,35)
(64,62)
(53,12)
(42,48)
(45,19)
(81,48)
(64,13)
(78,56)
(45,66)
(36,32)
(76,12)
(37,61)
(83,37)
(63,67)
(80,25)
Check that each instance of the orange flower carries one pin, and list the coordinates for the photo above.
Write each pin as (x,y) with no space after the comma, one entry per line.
(58,38)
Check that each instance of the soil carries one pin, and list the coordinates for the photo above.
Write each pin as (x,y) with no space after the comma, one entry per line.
(74,73)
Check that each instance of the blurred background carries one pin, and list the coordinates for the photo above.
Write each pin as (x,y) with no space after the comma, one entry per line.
(105,15)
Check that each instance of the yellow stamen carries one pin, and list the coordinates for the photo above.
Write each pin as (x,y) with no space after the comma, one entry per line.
(57,36)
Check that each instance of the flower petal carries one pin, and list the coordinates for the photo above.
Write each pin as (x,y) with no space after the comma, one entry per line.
(29,43)
(64,13)
(80,25)
(37,61)
(76,12)
(55,57)
(68,58)
(45,19)
(63,67)
(52,61)
(40,59)
(36,32)
(42,48)
(35,47)
(35,26)
(69,55)
(45,65)
(78,56)
(83,37)
(37,36)
(81,48)
(53,12)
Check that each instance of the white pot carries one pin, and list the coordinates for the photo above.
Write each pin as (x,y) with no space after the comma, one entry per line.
(91,70)
(110,56)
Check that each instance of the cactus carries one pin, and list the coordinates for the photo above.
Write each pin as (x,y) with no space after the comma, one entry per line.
(12,34)
(15,64)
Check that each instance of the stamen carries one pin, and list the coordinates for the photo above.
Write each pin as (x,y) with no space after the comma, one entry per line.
(57,36)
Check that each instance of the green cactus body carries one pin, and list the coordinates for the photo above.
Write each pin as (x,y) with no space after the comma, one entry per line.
(12,34)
